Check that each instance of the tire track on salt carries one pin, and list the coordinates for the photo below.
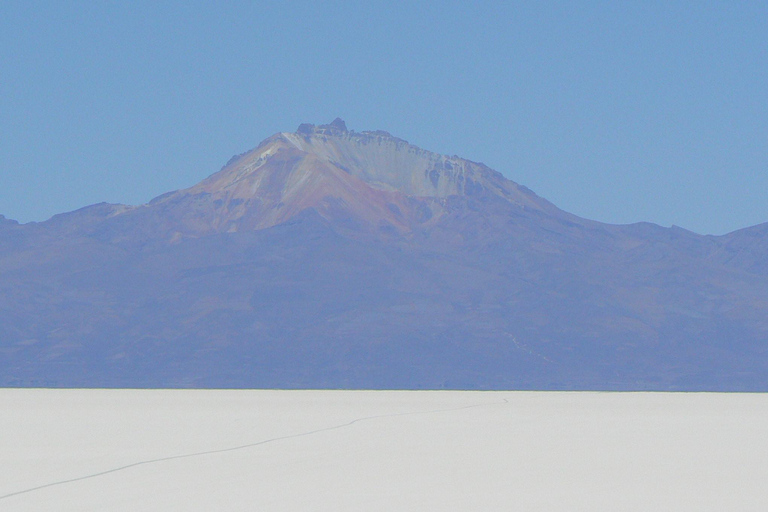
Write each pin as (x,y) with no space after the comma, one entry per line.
(239,447)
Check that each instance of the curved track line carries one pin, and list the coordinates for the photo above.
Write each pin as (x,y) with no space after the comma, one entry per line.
(240,447)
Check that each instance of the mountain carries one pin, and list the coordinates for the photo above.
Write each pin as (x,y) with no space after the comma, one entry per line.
(329,258)
(360,182)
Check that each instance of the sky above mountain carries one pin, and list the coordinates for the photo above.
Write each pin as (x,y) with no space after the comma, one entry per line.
(619,112)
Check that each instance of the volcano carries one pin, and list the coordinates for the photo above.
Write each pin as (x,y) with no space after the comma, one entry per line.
(329,258)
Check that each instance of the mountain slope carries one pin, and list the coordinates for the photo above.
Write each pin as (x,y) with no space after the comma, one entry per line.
(332,258)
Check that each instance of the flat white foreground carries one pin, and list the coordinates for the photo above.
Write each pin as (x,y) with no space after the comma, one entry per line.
(83,450)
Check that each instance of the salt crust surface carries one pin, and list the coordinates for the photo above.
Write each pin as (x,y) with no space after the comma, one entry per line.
(381,451)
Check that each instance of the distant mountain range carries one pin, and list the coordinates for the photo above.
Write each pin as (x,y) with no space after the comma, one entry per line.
(329,258)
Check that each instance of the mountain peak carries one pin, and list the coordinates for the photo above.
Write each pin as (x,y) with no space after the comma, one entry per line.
(335,127)
(338,124)
(368,179)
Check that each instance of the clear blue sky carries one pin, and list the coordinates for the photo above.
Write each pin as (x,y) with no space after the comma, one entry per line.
(615,111)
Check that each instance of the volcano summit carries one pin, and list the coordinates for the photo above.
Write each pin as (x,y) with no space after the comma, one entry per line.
(329,258)
(370,182)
